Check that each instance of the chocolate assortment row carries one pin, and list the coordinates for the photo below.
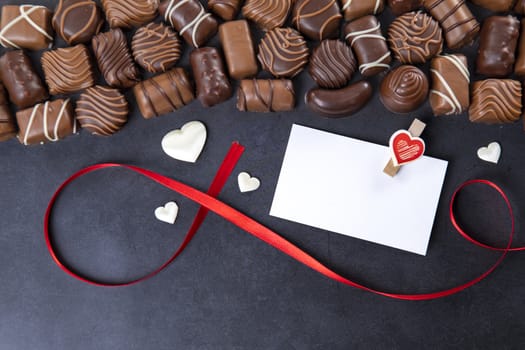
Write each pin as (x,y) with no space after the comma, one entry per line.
(420,33)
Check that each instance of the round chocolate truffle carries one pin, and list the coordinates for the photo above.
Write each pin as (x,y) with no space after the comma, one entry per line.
(415,37)
(102,110)
(156,47)
(404,89)
(332,64)
(77,21)
(283,52)
(317,19)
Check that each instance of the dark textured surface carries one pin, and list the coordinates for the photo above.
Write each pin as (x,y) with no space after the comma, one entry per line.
(229,290)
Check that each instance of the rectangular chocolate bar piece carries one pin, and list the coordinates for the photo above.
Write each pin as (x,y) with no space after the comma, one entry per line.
(163,93)
(257,95)
(26,27)
(458,23)
(114,59)
(213,86)
(46,122)
(399,7)
(190,19)
(237,43)
(365,37)
(497,44)
(354,9)
(495,5)
(20,79)
(450,94)
(519,68)
(8,127)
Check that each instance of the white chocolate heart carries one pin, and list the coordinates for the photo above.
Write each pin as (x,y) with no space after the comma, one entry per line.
(248,183)
(186,143)
(167,213)
(491,153)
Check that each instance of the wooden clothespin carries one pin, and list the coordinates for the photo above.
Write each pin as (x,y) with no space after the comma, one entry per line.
(406,146)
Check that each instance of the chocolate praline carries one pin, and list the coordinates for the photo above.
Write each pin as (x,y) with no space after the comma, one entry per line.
(102,110)
(317,19)
(283,52)
(404,89)
(332,64)
(399,7)
(156,47)
(77,21)
(498,42)
(415,37)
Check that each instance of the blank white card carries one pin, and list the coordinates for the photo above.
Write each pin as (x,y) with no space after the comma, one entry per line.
(337,183)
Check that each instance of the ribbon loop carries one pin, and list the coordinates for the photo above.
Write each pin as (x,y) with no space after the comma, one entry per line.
(208,202)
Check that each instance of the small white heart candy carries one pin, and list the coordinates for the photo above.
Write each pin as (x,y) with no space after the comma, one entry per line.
(491,153)
(167,213)
(248,183)
(186,143)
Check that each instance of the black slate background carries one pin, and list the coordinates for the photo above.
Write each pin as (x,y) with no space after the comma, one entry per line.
(229,290)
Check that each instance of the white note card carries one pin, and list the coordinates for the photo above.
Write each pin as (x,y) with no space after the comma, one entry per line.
(336,183)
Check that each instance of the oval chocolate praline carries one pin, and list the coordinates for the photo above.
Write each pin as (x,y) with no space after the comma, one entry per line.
(332,64)
(77,21)
(339,103)
(102,110)
(404,89)
(283,52)
(317,19)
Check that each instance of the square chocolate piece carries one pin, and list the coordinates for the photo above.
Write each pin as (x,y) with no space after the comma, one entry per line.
(130,13)
(46,122)
(68,70)
(26,27)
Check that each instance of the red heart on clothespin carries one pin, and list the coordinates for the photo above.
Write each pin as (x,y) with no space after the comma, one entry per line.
(406,148)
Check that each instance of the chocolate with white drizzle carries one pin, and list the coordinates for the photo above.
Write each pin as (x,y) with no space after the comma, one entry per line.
(190,19)
(354,9)
(365,37)
(26,27)
(450,93)
(46,122)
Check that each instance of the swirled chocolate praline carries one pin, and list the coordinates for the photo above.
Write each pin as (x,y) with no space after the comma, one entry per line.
(404,89)
(415,37)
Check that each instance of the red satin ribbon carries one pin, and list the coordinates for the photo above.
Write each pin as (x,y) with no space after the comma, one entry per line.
(208,202)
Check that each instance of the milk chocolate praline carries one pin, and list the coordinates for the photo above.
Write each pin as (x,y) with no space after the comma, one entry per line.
(77,21)
(415,37)
(317,19)
(332,64)
(283,52)
(156,47)
(404,89)
(498,42)
(23,84)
